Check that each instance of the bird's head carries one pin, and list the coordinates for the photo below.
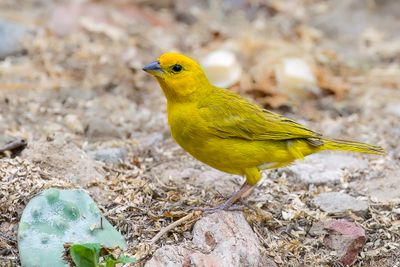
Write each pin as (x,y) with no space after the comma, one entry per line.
(180,77)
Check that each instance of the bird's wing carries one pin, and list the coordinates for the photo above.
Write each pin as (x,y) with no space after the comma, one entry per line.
(231,116)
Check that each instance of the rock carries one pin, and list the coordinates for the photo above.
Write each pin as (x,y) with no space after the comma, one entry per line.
(222,68)
(108,155)
(168,256)
(346,238)
(383,189)
(295,77)
(230,240)
(223,239)
(73,122)
(337,202)
(326,167)
(11,144)
(11,36)
(317,229)
(64,160)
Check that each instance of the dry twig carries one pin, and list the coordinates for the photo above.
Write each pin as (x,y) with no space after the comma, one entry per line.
(172,226)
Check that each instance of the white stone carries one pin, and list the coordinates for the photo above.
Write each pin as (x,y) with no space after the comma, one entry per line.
(295,76)
(222,68)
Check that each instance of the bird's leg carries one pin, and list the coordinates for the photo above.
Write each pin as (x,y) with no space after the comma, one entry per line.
(243,192)
(252,177)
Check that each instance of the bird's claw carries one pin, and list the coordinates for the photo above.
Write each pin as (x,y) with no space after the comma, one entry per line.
(220,208)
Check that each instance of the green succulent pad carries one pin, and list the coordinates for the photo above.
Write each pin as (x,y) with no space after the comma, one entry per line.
(55,217)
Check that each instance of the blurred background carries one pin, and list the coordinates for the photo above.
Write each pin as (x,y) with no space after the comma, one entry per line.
(70,72)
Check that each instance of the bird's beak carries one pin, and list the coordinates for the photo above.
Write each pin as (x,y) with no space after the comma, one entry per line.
(154,68)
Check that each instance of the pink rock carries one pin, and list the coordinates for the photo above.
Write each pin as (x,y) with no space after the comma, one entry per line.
(346,238)
(201,260)
(221,239)
(170,256)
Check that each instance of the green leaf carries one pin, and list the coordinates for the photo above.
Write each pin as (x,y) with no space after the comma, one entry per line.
(85,255)
(111,262)
(126,259)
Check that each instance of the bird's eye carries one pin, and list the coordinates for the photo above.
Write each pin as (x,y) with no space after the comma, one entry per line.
(177,68)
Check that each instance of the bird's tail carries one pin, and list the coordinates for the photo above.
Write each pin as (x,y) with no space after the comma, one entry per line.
(337,144)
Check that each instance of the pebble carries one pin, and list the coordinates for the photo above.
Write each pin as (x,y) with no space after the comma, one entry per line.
(11,35)
(73,122)
(337,202)
(108,155)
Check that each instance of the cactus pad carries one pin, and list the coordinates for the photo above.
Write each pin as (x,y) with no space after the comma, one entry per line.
(55,217)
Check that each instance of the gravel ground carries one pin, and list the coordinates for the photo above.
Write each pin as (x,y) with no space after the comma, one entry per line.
(74,90)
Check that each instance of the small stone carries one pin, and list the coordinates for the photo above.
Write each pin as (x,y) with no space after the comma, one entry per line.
(11,36)
(222,68)
(295,77)
(346,239)
(14,144)
(108,155)
(337,202)
(317,229)
(326,167)
(73,123)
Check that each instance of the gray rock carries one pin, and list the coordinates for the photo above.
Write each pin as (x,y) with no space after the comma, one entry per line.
(11,144)
(11,35)
(326,167)
(337,202)
(223,239)
(382,189)
(64,160)
(108,155)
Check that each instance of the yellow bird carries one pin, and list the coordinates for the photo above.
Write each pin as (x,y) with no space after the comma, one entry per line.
(227,132)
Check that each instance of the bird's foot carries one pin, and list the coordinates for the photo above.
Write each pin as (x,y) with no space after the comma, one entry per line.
(221,207)
(244,191)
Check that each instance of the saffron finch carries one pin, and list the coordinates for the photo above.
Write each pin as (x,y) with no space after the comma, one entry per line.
(229,133)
